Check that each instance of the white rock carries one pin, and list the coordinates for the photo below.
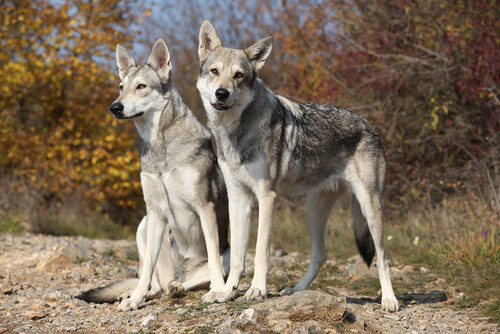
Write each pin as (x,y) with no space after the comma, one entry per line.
(150,317)
(249,316)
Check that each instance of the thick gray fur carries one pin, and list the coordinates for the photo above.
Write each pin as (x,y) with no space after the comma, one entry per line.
(182,241)
(269,145)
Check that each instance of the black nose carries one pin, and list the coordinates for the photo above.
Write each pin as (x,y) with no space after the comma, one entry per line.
(116,108)
(222,94)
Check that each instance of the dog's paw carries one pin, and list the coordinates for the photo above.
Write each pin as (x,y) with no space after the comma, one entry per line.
(390,304)
(255,294)
(287,291)
(175,289)
(218,296)
(128,305)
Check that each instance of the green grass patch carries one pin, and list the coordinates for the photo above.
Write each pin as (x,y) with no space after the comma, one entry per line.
(366,286)
(10,225)
(241,305)
(204,330)
(88,226)
(108,252)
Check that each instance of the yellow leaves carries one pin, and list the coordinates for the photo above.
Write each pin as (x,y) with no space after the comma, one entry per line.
(113,171)
(53,131)
(110,138)
(438,108)
(83,154)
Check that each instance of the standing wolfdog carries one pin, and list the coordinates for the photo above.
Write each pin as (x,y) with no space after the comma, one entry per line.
(182,185)
(268,144)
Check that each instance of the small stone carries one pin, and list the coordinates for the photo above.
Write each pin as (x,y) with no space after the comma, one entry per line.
(423,270)
(131,273)
(394,317)
(248,316)
(76,276)
(280,253)
(131,330)
(280,326)
(37,315)
(150,317)
(53,296)
(313,327)
(81,303)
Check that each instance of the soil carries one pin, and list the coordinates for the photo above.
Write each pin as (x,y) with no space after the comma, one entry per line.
(40,275)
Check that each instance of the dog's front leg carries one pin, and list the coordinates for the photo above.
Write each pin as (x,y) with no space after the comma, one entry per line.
(155,229)
(267,206)
(240,209)
(209,225)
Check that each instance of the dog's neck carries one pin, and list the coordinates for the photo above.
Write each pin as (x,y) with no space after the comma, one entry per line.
(238,139)
(152,125)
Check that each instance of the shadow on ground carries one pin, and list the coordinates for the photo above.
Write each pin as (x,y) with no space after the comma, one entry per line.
(433,296)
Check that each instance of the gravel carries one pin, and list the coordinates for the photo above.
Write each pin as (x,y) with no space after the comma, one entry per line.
(39,275)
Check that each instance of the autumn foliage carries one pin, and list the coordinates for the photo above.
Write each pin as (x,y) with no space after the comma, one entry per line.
(56,134)
(425,73)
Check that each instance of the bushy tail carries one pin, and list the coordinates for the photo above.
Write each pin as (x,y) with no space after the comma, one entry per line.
(110,293)
(362,234)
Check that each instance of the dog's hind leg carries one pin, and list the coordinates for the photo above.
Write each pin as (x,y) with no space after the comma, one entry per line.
(200,278)
(164,271)
(367,190)
(141,248)
(319,206)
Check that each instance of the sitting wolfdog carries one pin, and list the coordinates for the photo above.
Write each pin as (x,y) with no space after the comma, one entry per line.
(182,185)
(268,145)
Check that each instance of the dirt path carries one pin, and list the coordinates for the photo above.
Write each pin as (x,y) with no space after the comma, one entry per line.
(39,275)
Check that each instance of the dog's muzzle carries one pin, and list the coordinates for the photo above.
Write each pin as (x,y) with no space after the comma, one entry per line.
(117,109)
(221,94)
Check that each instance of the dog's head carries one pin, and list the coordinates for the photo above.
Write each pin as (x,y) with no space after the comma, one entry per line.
(227,75)
(143,88)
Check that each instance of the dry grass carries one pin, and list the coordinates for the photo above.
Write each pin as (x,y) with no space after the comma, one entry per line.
(456,239)
(23,210)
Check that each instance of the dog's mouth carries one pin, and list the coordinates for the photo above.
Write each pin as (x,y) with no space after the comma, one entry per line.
(128,117)
(220,106)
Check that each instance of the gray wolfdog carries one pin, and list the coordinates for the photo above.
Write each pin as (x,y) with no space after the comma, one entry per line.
(182,185)
(268,145)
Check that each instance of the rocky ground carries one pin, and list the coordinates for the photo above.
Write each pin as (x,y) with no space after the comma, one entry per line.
(39,275)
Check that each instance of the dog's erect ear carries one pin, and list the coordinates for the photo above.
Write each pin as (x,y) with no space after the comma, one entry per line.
(209,40)
(124,60)
(258,53)
(159,59)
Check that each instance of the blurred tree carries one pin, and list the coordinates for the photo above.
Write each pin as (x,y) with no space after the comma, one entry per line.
(55,90)
(426,72)
(239,23)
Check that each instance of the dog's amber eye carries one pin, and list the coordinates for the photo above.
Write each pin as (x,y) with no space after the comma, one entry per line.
(121,87)
(215,71)
(238,75)
(141,86)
